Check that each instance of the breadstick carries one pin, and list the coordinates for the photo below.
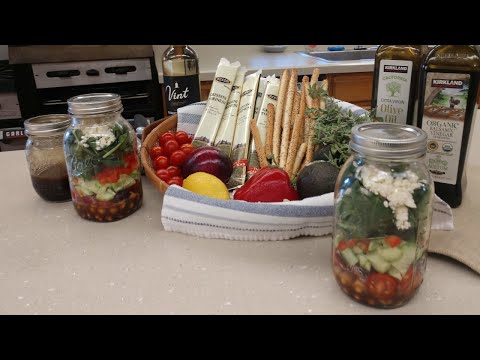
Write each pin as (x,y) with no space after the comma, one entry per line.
(315,76)
(310,145)
(258,143)
(298,160)
(296,107)
(270,121)
(324,87)
(303,104)
(277,126)
(287,113)
(314,80)
(294,142)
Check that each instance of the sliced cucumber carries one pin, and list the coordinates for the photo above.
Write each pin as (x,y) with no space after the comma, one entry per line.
(337,240)
(364,263)
(407,259)
(124,182)
(395,273)
(390,254)
(349,257)
(357,250)
(379,264)
(105,194)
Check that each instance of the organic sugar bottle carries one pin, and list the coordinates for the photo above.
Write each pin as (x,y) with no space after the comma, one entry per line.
(446,110)
(395,82)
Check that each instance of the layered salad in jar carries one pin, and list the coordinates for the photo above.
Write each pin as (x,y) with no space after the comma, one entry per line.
(382,228)
(104,171)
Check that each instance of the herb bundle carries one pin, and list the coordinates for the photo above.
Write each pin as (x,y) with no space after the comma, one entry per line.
(333,127)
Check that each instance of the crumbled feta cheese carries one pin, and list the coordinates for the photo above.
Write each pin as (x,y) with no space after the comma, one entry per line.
(397,190)
(103,137)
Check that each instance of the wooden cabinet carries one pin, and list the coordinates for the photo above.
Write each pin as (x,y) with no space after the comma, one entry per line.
(205,87)
(355,88)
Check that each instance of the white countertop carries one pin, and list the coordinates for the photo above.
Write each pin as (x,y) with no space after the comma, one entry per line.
(54,262)
(254,58)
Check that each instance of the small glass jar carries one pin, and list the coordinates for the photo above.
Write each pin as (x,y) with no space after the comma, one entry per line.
(383,198)
(102,159)
(46,161)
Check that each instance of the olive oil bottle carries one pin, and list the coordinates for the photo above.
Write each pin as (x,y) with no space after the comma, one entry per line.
(447,108)
(395,82)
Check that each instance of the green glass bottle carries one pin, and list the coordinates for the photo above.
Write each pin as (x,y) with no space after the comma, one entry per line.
(447,108)
(395,82)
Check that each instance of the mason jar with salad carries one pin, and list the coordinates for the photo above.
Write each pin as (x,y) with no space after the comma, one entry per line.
(383,211)
(102,158)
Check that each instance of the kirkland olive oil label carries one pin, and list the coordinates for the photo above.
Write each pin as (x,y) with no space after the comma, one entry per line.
(443,117)
(181,91)
(394,90)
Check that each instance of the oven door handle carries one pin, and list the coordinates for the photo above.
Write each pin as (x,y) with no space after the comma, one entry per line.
(142,96)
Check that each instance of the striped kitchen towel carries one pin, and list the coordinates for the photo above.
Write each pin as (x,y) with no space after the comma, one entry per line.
(189,117)
(193,214)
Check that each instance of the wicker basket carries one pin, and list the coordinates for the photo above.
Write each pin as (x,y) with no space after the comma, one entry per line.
(150,139)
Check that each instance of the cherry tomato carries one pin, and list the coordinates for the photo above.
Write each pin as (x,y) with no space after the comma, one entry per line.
(410,281)
(161,162)
(174,170)
(187,148)
(171,146)
(163,175)
(165,137)
(178,158)
(348,244)
(190,139)
(363,245)
(156,152)
(393,240)
(176,180)
(382,286)
(181,137)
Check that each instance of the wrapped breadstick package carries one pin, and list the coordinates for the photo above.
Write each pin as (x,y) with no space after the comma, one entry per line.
(224,137)
(262,86)
(241,138)
(216,103)
(271,97)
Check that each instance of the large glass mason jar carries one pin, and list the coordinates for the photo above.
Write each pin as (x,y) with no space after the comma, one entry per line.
(383,197)
(102,158)
(44,152)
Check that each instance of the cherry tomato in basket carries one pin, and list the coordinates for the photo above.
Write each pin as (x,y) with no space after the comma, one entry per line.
(163,175)
(181,137)
(382,286)
(161,162)
(170,147)
(187,148)
(174,171)
(176,180)
(165,137)
(177,158)
(156,152)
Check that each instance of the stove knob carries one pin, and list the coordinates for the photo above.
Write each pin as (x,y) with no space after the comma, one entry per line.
(93,72)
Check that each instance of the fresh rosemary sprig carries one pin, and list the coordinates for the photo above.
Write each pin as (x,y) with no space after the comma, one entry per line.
(333,127)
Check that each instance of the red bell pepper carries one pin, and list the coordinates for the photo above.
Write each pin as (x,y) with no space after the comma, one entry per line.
(267,185)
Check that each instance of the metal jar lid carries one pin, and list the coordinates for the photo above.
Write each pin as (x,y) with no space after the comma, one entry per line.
(96,103)
(386,140)
(46,124)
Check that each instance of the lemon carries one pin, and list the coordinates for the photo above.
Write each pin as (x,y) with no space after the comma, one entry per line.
(206,184)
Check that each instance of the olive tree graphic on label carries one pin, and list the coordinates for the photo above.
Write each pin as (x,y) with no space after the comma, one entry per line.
(393,88)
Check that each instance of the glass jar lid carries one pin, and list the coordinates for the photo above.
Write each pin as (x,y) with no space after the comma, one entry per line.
(386,140)
(46,124)
(96,103)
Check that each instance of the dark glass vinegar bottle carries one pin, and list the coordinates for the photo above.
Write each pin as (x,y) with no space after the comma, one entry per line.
(395,82)
(180,77)
(447,108)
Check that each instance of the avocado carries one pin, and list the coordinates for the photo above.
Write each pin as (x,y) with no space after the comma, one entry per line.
(317,178)
(321,153)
